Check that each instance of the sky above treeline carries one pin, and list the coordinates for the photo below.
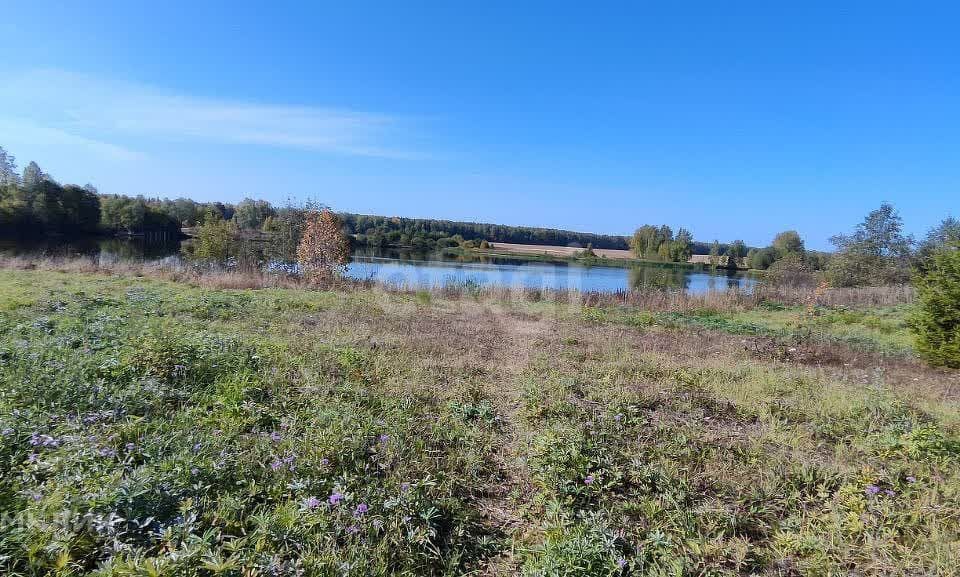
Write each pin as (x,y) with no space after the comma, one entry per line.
(731,119)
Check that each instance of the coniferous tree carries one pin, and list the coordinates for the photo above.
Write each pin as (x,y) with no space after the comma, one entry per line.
(8,169)
(936,319)
(682,246)
(32,176)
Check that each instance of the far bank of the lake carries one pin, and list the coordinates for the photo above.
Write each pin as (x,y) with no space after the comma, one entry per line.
(419,269)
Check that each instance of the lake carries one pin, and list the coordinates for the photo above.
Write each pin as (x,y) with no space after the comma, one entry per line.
(433,269)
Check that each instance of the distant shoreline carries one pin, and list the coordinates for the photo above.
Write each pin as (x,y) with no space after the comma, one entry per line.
(552,253)
(563,254)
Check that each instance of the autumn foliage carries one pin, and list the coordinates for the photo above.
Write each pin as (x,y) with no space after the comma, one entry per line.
(323,251)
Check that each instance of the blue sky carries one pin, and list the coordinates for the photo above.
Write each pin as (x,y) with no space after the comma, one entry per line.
(733,119)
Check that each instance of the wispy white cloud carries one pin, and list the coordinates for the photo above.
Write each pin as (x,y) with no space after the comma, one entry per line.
(19,134)
(100,110)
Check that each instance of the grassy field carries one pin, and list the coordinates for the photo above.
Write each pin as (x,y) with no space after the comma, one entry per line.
(156,428)
(558,251)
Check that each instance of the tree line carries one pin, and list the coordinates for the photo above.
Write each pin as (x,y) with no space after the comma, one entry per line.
(33,203)
(430,233)
(659,243)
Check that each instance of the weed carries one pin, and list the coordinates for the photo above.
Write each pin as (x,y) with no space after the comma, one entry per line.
(157,428)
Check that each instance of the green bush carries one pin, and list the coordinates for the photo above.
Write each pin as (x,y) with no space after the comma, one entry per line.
(936,319)
(791,270)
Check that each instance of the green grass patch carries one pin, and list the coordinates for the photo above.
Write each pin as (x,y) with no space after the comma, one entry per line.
(151,428)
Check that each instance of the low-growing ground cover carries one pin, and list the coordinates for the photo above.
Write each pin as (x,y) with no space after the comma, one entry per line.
(157,428)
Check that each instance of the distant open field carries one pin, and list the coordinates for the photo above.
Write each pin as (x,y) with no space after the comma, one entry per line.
(561,251)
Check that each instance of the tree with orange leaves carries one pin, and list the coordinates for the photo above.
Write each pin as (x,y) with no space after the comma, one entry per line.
(323,251)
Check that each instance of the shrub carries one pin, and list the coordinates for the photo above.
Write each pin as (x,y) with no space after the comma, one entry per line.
(791,271)
(732,263)
(761,259)
(936,318)
(323,250)
(587,252)
(213,240)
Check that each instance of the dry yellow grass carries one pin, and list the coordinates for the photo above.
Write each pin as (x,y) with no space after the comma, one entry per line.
(561,251)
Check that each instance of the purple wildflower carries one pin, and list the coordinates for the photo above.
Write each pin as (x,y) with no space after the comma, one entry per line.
(196,447)
(617,418)
(589,479)
(335,498)
(361,509)
(130,447)
(404,487)
(324,462)
(621,563)
(384,438)
(911,479)
(7,432)
(276,437)
(276,464)
(352,529)
(32,458)
(871,490)
(890,493)
(107,452)
(312,503)
(37,439)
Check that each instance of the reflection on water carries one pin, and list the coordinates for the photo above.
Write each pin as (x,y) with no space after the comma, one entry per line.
(137,249)
(417,269)
(433,270)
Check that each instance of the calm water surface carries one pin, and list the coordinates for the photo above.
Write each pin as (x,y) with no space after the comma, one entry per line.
(414,269)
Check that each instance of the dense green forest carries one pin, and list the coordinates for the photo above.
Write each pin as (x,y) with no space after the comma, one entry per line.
(47,208)
(34,204)
(425,232)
